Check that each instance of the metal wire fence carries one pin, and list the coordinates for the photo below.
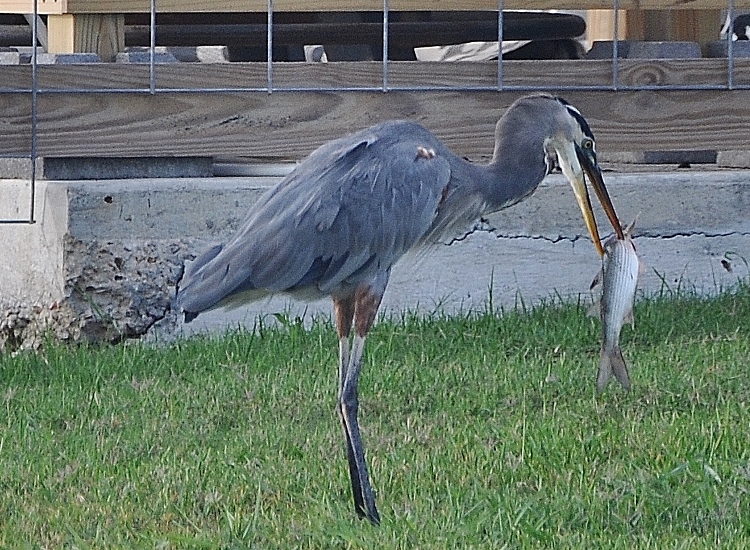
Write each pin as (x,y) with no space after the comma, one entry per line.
(385,84)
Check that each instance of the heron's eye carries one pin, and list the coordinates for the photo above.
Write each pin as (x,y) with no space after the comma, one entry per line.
(588,144)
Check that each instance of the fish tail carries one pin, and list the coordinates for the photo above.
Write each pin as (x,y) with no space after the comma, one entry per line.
(620,368)
(605,371)
(612,362)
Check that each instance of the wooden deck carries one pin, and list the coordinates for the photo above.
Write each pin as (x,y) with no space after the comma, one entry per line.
(99,25)
(286,125)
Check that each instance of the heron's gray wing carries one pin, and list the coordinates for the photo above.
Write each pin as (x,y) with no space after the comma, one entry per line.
(348,211)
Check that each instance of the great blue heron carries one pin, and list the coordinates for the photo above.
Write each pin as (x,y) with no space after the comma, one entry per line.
(337,224)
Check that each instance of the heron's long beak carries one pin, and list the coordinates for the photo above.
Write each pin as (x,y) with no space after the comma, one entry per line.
(594,173)
(577,180)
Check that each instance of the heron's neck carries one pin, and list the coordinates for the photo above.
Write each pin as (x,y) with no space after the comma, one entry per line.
(506,181)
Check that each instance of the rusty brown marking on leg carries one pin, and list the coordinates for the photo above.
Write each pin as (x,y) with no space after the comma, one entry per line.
(343,309)
(425,152)
(365,309)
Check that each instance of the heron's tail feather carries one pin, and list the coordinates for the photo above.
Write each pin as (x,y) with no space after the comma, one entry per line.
(192,268)
(612,362)
(194,293)
(189,316)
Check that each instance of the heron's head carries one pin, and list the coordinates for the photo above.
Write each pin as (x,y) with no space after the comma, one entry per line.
(571,138)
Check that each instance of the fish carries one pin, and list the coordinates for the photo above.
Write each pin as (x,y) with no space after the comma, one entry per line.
(619,280)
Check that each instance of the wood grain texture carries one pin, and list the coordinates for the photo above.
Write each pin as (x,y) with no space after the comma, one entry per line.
(143,6)
(103,34)
(288,125)
(560,73)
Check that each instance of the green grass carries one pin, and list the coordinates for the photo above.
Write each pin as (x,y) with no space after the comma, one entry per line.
(482,432)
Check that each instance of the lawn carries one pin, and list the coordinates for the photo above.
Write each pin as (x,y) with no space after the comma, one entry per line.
(482,431)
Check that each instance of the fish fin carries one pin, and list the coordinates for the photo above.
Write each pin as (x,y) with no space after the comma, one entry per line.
(620,368)
(629,229)
(629,318)
(595,309)
(605,371)
(612,362)
(597,280)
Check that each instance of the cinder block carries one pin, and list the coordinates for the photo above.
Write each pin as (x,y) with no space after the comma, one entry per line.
(200,54)
(639,49)
(185,54)
(733,159)
(143,55)
(602,49)
(66,58)
(664,50)
(720,48)
(17,168)
(11,56)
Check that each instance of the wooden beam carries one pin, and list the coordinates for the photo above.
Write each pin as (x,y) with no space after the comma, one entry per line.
(600,25)
(41,29)
(185,6)
(691,25)
(700,26)
(103,34)
(636,24)
(288,125)
(61,33)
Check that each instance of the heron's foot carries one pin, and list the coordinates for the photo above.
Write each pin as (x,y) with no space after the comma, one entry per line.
(364,496)
(369,512)
(374,516)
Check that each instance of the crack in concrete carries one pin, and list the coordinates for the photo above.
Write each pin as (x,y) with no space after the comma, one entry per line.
(561,238)
(493,231)
(692,234)
(553,240)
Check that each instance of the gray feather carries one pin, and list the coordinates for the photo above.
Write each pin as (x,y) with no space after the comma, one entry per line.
(351,209)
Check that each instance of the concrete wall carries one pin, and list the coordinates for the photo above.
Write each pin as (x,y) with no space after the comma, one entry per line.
(102,260)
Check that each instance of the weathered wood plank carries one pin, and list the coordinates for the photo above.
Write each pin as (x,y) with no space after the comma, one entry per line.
(101,33)
(143,6)
(560,73)
(287,125)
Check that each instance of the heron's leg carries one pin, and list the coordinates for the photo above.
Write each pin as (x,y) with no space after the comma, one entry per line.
(343,309)
(349,406)
(366,303)
(344,312)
